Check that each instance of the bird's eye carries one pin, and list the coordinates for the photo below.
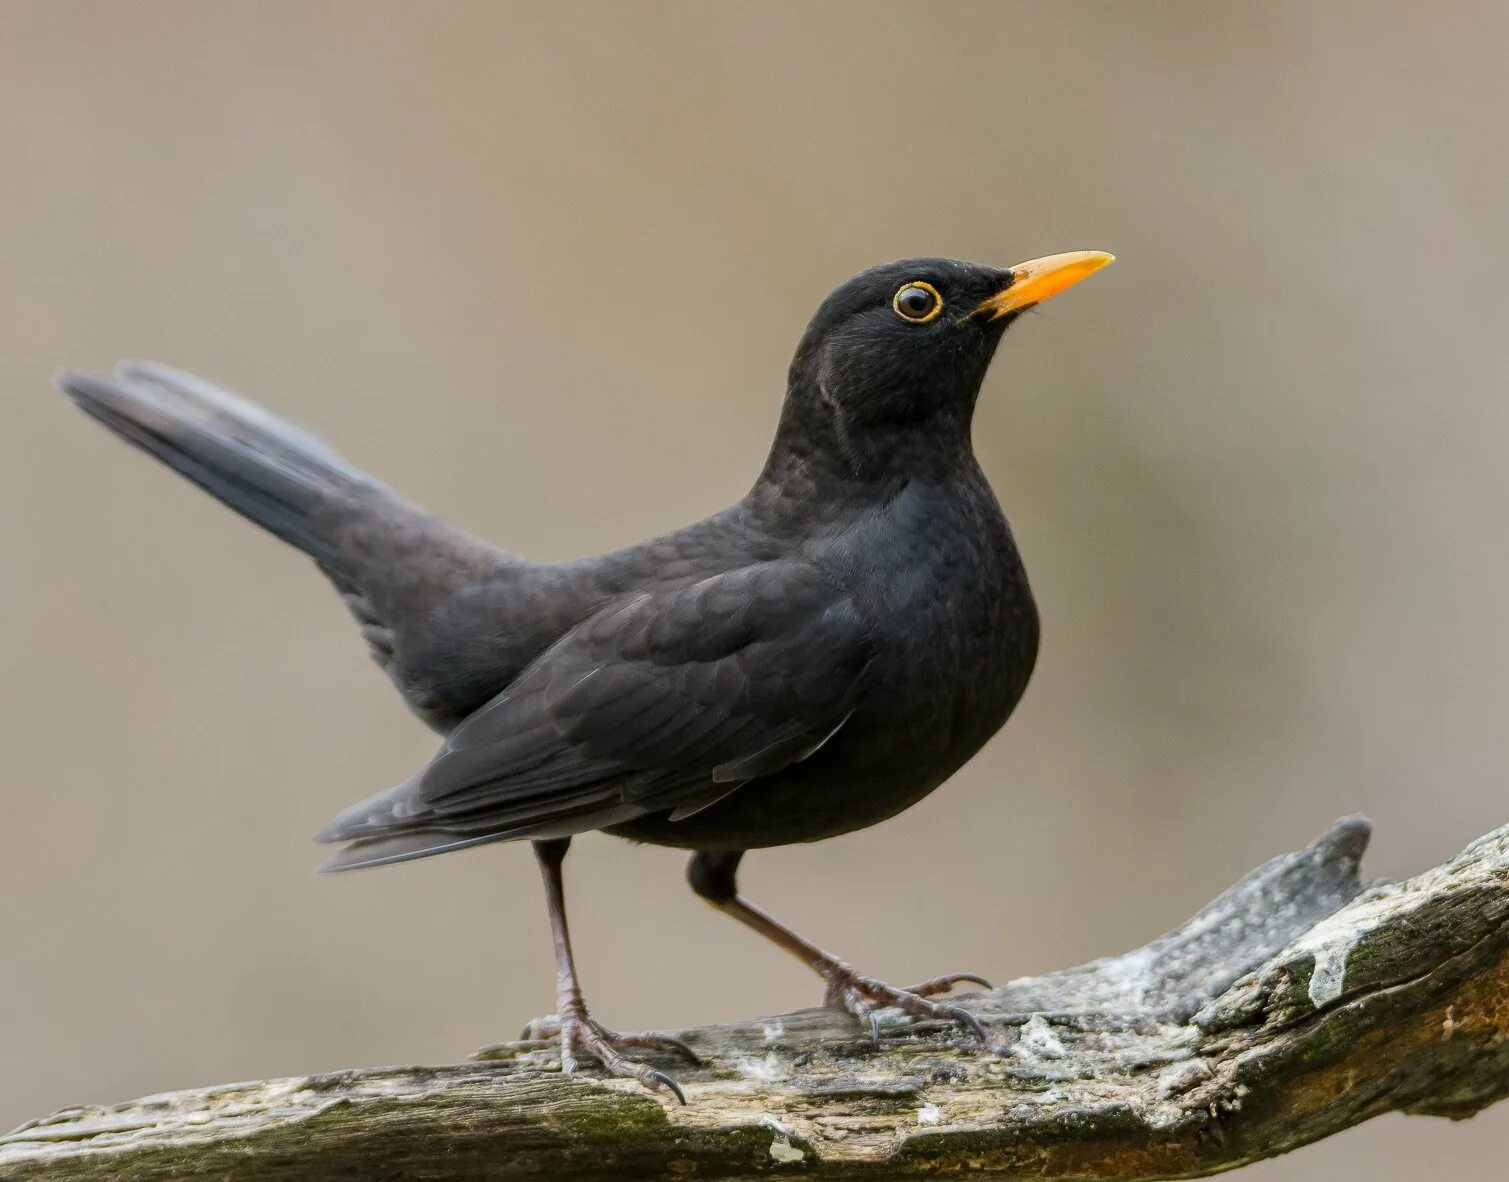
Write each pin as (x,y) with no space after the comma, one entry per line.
(918,302)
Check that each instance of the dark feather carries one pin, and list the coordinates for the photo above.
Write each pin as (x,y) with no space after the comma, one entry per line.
(420,590)
(651,705)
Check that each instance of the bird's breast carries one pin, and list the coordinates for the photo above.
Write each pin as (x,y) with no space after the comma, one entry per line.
(957,628)
(954,633)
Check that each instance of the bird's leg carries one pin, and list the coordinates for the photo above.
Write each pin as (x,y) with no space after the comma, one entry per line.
(713,876)
(579,1032)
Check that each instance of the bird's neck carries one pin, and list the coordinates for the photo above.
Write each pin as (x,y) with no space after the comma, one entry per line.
(821,457)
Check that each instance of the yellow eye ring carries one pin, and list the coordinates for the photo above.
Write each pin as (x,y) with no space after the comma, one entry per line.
(914,310)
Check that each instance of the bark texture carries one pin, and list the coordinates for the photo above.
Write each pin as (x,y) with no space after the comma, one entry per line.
(1298,1003)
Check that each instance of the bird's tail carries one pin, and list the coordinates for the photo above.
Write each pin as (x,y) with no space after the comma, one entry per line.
(269,471)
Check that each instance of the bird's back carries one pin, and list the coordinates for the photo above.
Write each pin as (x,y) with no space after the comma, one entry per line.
(461,645)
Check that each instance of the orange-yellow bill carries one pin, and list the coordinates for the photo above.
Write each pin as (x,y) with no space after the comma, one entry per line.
(1042,279)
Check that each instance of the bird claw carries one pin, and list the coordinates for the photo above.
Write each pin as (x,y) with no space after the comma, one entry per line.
(964,1017)
(863,997)
(658,1078)
(657,1041)
(945,983)
(586,1036)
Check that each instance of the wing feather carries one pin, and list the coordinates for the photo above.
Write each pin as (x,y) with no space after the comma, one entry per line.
(666,701)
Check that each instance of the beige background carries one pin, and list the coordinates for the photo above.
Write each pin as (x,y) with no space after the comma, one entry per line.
(541,268)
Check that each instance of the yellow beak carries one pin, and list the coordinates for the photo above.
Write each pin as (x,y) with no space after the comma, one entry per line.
(1042,279)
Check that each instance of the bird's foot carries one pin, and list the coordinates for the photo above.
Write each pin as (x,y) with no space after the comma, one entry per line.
(865,997)
(583,1036)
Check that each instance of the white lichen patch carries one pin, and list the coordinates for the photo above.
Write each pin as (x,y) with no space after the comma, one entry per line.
(773,1030)
(1126,977)
(929,1114)
(1330,943)
(763,1070)
(782,1151)
(1038,1039)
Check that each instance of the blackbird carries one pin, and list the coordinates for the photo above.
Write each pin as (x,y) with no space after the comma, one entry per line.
(807,662)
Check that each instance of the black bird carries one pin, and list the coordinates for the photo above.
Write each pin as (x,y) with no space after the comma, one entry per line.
(809,661)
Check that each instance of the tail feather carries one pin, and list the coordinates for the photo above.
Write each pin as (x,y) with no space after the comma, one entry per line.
(398,569)
(399,825)
(405,845)
(235,413)
(396,566)
(269,471)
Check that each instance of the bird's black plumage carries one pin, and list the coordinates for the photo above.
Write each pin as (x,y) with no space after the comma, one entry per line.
(809,661)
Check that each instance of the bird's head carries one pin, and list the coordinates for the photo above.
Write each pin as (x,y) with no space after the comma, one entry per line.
(891,363)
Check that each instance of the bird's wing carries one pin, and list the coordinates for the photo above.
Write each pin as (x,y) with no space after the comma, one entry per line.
(665,701)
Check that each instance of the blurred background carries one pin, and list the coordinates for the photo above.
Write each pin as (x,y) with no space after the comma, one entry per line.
(541,268)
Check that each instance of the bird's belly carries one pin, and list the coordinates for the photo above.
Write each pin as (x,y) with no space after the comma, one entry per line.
(851,784)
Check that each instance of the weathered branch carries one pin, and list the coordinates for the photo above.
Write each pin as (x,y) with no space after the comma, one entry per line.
(1297,1004)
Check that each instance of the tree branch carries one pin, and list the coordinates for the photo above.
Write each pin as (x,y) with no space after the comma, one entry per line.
(1297,1004)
